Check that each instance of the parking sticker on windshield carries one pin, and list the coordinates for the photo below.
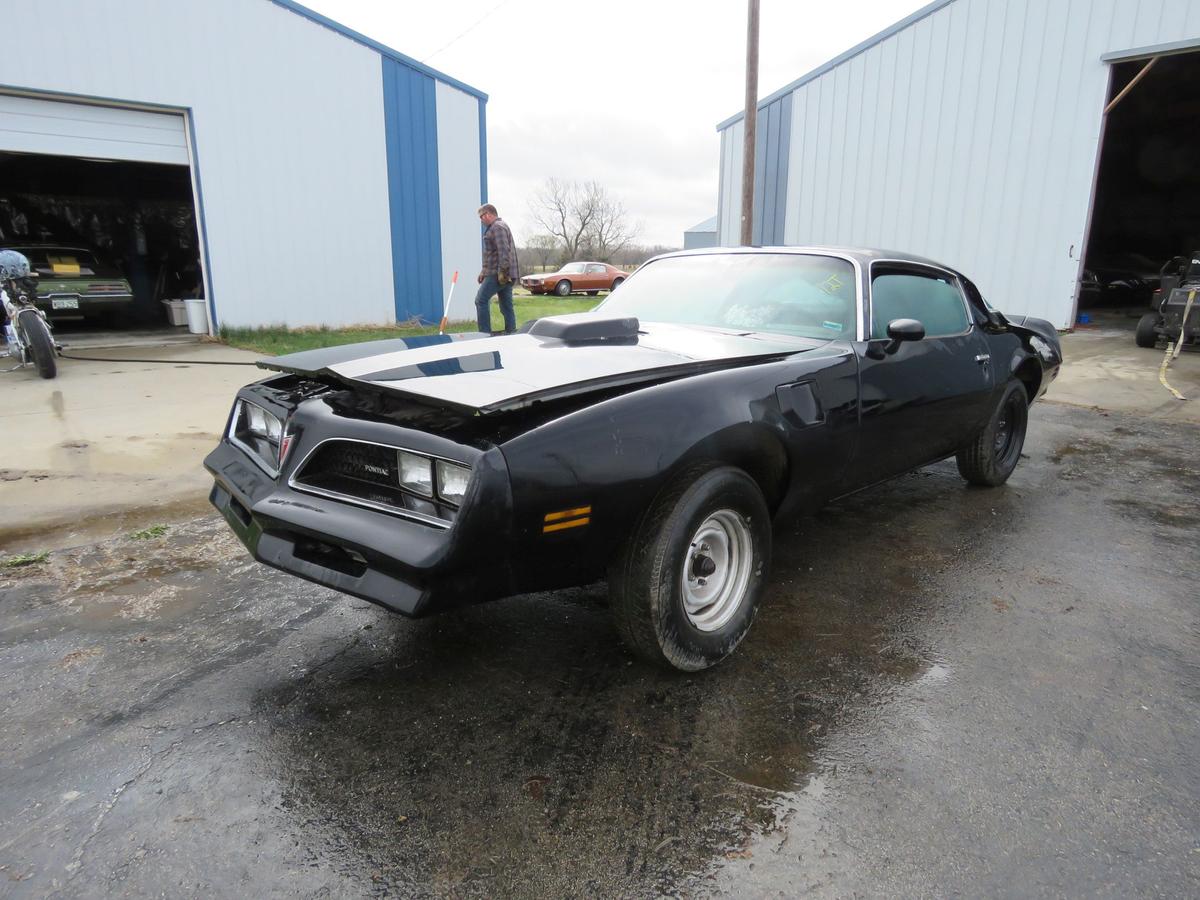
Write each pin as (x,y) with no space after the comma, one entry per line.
(832,326)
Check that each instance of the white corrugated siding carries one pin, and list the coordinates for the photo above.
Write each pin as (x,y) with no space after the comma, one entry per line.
(458,173)
(971,137)
(289,134)
(729,203)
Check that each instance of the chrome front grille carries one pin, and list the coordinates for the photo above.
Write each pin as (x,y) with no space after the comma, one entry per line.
(367,475)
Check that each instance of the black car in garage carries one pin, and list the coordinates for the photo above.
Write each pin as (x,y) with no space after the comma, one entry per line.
(653,441)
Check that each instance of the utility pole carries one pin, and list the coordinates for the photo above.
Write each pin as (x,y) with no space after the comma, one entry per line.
(750,121)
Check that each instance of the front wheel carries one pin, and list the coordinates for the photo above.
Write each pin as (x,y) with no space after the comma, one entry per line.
(991,457)
(686,587)
(36,336)
(1146,334)
(563,288)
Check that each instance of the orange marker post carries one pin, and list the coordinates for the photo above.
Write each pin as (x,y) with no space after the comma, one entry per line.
(446,310)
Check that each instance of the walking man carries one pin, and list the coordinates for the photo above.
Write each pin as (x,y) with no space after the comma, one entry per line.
(499,272)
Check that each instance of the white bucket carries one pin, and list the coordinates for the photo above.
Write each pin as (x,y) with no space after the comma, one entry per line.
(176,312)
(197,315)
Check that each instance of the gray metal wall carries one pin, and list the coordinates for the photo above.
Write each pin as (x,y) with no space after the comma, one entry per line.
(969,133)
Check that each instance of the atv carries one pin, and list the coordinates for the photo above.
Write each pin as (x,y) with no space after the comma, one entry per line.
(1177,305)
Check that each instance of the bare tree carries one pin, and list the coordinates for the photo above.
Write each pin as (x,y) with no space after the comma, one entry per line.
(582,218)
(610,231)
(565,210)
(541,248)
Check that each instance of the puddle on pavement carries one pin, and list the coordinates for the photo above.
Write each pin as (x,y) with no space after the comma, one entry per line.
(16,538)
(112,584)
(510,745)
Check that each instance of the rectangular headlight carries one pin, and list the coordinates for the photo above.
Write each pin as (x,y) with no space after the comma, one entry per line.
(416,473)
(259,433)
(262,423)
(452,481)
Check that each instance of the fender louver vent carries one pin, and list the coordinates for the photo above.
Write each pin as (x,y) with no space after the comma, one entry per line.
(585,327)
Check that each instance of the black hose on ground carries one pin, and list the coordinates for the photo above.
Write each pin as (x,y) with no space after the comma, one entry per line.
(180,362)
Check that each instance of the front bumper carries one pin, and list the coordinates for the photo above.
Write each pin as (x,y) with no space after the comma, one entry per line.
(407,566)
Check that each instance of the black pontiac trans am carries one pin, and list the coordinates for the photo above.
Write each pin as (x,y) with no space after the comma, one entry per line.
(653,441)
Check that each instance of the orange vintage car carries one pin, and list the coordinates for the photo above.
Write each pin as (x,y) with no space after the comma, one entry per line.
(575,278)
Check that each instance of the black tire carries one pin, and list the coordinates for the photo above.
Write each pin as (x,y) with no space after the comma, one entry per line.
(592,293)
(991,457)
(37,338)
(563,288)
(668,553)
(1146,335)
(616,283)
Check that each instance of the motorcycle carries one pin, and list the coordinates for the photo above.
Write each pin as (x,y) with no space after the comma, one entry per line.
(26,329)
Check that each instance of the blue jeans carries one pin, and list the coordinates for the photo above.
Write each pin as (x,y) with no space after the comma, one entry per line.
(490,287)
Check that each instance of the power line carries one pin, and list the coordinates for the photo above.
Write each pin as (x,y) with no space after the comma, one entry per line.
(468,30)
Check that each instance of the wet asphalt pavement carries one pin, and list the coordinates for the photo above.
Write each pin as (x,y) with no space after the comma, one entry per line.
(948,691)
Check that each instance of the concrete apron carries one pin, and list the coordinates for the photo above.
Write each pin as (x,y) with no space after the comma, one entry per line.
(108,447)
(1105,369)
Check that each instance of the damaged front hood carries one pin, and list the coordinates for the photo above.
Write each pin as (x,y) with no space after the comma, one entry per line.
(480,374)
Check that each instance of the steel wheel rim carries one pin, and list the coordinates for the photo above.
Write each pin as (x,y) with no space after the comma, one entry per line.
(716,570)
(1005,430)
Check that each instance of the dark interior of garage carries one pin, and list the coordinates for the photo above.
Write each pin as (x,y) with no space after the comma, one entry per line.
(1147,202)
(138,218)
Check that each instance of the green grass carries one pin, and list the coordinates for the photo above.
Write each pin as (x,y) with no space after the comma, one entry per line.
(23,559)
(277,340)
(147,533)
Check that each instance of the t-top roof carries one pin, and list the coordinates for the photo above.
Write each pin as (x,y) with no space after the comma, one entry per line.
(378,47)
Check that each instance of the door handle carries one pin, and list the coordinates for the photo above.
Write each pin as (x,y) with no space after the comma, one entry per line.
(983,358)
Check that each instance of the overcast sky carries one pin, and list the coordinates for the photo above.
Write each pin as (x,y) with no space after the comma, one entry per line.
(628,92)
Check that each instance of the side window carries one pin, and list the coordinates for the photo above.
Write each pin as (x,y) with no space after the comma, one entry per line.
(933,300)
(592,270)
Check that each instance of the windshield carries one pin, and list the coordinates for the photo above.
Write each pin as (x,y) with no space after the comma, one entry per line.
(571,269)
(782,293)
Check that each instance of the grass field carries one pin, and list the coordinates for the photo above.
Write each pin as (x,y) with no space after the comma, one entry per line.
(276,341)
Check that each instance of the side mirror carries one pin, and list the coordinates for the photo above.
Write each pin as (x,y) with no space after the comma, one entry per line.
(898,331)
(901,330)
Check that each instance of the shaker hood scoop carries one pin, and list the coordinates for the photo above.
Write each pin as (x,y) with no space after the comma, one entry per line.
(481,374)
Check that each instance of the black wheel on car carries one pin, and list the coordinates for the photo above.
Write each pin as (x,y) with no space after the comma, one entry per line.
(616,283)
(592,293)
(1146,334)
(687,585)
(991,457)
(36,337)
(563,288)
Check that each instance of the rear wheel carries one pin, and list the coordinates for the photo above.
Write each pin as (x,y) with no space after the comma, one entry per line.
(992,456)
(1146,334)
(616,283)
(563,288)
(686,587)
(36,336)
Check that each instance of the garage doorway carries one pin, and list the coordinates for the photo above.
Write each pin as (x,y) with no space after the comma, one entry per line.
(101,199)
(1146,203)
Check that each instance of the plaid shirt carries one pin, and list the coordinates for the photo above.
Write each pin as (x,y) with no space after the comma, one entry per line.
(499,254)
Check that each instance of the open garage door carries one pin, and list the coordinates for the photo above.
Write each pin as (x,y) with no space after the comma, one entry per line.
(1146,207)
(29,125)
(101,200)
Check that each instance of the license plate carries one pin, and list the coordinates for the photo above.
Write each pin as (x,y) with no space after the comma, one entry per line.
(64,303)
